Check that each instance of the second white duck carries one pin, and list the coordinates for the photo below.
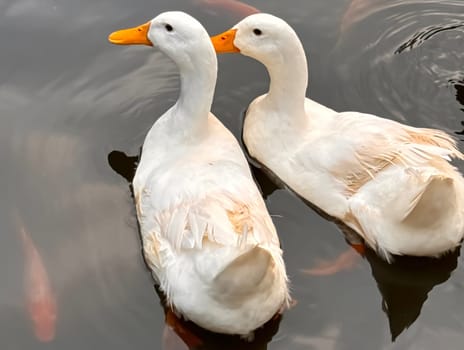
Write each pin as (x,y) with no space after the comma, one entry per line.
(206,232)
(391,183)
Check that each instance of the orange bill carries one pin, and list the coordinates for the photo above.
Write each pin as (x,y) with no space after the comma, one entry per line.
(224,43)
(131,36)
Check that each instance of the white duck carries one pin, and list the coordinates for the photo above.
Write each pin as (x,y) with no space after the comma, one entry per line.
(206,232)
(393,184)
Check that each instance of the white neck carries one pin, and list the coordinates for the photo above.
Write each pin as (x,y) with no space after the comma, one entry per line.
(289,79)
(188,118)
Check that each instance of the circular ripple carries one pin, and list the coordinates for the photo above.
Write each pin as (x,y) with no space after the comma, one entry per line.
(402,60)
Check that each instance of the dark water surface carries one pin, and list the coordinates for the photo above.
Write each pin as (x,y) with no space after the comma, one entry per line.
(69,99)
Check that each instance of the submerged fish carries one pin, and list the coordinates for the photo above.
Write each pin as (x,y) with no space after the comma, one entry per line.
(357,10)
(345,261)
(232,6)
(177,335)
(40,300)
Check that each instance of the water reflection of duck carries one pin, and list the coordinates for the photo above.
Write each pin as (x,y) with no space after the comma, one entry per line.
(459,86)
(123,164)
(181,335)
(405,283)
(391,183)
(460,92)
(206,232)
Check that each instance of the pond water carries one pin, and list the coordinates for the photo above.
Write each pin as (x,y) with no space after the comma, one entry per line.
(74,110)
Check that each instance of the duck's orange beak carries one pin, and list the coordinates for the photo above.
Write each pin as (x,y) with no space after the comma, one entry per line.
(131,36)
(224,43)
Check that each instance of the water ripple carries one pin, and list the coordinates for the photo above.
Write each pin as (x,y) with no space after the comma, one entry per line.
(420,37)
(399,59)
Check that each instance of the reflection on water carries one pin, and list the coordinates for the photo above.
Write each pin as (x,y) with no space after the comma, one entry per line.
(459,86)
(123,164)
(68,99)
(405,284)
(265,184)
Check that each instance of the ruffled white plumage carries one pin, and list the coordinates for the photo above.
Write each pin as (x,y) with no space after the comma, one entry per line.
(214,195)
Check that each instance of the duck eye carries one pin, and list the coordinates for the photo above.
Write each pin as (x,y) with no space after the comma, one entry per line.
(168,27)
(257,31)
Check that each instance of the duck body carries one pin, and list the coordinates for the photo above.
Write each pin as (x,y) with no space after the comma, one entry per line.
(373,174)
(206,233)
(207,236)
(391,183)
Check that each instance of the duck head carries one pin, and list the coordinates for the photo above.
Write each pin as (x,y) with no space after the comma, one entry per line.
(261,36)
(177,34)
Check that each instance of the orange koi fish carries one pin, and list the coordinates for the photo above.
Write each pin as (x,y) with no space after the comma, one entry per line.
(177,335)
(345,261)
(359,9)
(232,6)
(40,301)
